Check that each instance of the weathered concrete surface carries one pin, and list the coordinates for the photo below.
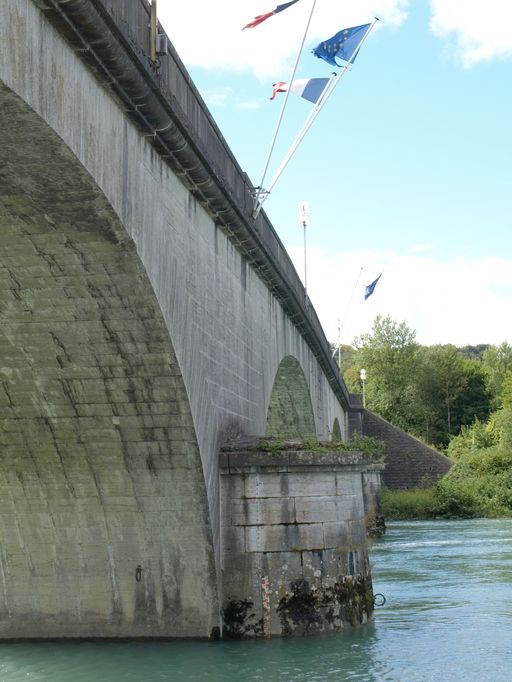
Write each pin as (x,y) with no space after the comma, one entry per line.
(137,334)
(295,555)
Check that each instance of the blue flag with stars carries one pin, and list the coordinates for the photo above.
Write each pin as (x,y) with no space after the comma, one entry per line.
(368,290)
(342,45)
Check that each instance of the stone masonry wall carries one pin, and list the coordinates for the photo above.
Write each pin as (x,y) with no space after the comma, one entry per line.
(99,464)
(409,462)
(294,553)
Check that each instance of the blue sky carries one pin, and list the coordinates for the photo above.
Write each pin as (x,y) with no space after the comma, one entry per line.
(407,170)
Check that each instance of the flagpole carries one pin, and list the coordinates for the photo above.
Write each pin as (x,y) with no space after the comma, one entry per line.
(260,190)
(342,324)
(302,132)
(314,113)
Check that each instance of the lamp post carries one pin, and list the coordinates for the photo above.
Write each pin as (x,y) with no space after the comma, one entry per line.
(362,374)
(304,220)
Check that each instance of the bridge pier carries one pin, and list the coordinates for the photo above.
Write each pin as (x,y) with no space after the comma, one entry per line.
(294,550)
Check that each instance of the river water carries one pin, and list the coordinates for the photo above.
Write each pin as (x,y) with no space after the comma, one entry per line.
(447,616)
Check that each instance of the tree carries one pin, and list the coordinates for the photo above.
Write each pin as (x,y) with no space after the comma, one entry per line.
(506,390)
(497,361)
(389,353)
(447,379)
(474,403)
(473,352)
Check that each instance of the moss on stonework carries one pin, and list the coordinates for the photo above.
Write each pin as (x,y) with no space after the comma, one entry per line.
(375,523)
(239,620)
(366,444)
(308,610)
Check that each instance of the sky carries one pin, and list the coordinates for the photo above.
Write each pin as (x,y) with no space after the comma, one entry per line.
(407,171)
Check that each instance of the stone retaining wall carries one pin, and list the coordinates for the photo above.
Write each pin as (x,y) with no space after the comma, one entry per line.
(409,462)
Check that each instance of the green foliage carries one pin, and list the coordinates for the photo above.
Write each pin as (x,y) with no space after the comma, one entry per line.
(442,380)
(479,483)
(352,379)
(429,391)
(455,500)
(345,357)
(477,436)
(497,362)
(474,403)
(367,444)
(501,424)
(506,389)
(407,504)
(373,447)
(444,395)
(473,352)
(389,355)
(445,500)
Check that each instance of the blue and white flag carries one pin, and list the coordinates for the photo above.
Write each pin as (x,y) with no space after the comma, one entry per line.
(368,291)
(308,88)
(343,45)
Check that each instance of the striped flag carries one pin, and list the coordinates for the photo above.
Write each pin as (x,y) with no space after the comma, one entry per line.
(262,17)
(308,88)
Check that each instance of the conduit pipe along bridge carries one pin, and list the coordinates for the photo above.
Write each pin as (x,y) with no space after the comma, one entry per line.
(147,319)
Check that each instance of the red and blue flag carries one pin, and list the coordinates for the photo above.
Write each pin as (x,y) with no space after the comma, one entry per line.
(262,17)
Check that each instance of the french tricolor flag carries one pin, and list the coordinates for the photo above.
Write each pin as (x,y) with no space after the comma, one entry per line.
(262,17)
(308,88)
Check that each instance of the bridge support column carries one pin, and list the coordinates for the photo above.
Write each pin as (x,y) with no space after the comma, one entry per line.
(294,548)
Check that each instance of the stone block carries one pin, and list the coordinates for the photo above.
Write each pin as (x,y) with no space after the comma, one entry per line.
(283,567)
(233,539)
(232,486)
(290,538)
(316,509)
(348,483)
(338,536)
(290,484)
(262,511)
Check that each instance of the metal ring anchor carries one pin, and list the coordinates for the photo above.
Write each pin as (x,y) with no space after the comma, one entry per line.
(379,599)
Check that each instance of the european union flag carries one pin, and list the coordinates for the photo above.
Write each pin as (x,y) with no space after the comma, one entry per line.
(368,291)
(342,45)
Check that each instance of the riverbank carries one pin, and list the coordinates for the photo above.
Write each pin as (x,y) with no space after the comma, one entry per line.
(479,484)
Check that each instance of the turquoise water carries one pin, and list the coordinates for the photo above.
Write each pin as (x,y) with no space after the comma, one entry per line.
(448,616)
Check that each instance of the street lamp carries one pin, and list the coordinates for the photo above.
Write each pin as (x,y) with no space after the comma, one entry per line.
(362,374)
(304,220)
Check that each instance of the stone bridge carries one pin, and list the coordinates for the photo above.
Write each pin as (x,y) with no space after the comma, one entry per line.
(147,319)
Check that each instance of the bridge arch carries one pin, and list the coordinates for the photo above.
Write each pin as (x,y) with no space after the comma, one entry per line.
(101,470)
(290,412)
(336,431)
(187,208)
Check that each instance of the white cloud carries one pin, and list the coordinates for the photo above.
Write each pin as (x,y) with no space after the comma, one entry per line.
(420,248)
(217,97)
(481,30)
(248,105)
(209,34)
(461,302)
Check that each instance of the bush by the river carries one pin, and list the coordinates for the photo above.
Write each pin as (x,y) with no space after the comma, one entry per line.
(478,484)
(467,491)
(442,501)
